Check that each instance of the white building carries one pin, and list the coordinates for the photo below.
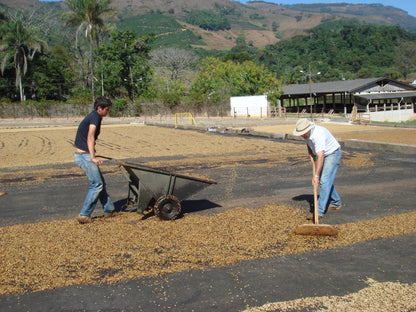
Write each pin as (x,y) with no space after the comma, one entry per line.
(250,106)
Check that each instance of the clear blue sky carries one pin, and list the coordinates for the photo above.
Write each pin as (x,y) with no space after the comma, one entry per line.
(407,5)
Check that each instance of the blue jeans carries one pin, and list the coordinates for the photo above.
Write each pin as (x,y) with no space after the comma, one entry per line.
(327,193)
(97,190)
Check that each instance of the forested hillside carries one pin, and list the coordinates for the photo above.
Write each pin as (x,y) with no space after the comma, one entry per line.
(343,50)
(188,57)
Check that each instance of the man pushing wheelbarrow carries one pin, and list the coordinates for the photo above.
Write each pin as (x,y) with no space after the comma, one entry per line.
(85,157)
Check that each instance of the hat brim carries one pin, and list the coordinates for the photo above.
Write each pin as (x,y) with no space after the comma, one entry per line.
(299,133)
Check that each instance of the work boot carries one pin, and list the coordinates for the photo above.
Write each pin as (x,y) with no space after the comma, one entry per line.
(310,217)
(84,219)
(334,207)
(110,214)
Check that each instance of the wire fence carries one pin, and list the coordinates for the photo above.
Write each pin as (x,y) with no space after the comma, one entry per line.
(31,110)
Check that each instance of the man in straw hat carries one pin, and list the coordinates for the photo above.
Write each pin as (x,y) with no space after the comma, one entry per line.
(325,152)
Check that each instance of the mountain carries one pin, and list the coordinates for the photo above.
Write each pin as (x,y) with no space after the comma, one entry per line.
(260,22)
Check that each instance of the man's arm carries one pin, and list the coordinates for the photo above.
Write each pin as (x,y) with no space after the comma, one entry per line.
(311,155)
(91,145)
(319,163)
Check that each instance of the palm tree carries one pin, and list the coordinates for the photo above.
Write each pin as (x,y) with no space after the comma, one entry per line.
(21,44)
(88,16)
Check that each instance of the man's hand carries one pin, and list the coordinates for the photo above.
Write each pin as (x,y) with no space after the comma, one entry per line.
(97,161)
(315,178)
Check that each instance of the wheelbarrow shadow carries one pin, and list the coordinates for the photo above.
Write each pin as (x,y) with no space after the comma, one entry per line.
(305,197)
(188,206)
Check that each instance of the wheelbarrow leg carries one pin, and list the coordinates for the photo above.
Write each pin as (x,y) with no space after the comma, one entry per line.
(136,196)
(132,196)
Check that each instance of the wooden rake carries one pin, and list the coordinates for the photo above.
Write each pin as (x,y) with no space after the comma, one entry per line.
(316,228)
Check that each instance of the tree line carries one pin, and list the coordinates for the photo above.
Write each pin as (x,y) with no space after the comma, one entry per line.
(344,50)
(100,59)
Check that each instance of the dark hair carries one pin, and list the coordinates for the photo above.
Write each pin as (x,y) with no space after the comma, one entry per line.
(102,101)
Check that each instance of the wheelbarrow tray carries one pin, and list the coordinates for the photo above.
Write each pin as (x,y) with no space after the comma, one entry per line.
(147,185)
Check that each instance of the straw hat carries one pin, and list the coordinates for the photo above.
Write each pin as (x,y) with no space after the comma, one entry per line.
(302,126)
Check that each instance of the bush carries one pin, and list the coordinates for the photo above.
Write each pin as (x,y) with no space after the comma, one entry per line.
(118,107)
(81,97)
(138,110)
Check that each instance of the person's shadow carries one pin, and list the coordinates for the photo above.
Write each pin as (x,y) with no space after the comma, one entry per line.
(306,197)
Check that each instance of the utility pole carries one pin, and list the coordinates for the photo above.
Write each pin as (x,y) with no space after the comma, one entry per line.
(310,90)
(309,75)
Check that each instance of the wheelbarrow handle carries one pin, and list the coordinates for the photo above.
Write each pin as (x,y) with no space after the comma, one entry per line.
(109,158)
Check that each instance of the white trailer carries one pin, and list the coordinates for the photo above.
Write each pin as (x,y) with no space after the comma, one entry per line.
(250,106)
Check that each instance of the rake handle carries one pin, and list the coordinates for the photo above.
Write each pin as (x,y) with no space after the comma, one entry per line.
(315,198)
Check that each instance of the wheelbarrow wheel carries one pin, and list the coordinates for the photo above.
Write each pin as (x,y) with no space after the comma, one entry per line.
(167,207)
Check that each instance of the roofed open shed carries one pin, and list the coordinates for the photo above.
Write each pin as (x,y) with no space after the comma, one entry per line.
(342,96)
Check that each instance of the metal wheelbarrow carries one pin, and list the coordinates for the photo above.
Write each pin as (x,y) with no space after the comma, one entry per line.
(159,191)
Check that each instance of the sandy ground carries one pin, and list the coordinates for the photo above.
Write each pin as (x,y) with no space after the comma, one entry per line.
(31,147)
(40,146)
